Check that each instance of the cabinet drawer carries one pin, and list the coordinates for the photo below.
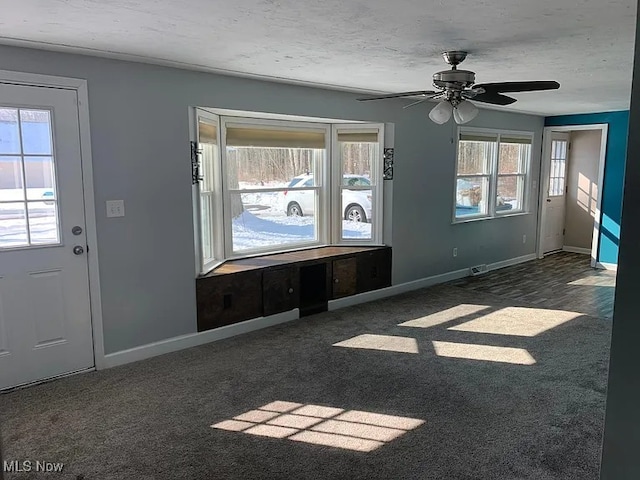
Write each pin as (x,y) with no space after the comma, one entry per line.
(226,299)
(280,290)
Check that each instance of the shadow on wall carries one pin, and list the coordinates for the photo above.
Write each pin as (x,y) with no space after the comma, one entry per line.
(609,239)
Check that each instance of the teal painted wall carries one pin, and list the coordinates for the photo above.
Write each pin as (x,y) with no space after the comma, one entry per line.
(613,183)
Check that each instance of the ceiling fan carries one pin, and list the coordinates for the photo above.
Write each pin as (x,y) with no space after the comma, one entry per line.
(456,87)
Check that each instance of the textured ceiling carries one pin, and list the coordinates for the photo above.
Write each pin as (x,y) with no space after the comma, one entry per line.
(368,45)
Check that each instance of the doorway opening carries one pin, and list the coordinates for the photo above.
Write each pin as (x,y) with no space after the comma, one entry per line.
(571,190)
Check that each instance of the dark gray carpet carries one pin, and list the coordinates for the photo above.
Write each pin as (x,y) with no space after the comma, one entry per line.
(483,420)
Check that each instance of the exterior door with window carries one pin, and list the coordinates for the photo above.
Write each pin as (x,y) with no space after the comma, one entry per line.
(554,205)
(45,318)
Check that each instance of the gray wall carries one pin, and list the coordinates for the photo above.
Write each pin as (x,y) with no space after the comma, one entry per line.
(140,133)
(620,460)
(582,187)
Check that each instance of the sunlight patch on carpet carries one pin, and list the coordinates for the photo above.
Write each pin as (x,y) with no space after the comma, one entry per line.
(488,353)
(321,425)
(386,343)
(517,321)
(444,316)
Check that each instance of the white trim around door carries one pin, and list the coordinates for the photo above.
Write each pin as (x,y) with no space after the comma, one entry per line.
(80,86)
(544,175)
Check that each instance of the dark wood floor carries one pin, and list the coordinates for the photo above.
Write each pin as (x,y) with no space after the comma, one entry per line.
(563,281)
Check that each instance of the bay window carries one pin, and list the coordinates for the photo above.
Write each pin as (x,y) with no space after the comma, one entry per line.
(269,186)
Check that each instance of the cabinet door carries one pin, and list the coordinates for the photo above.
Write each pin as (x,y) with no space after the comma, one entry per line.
(226,299)
(374,270)
(280,290)
(344,277)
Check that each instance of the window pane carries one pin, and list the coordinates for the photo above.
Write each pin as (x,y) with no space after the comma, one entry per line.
(207,161)
(510,193)
(471,196)
(357,213)
(474,157)
(11,179)
(357,195)
(208,144)
(268,167)
(9,131)
(513,158)
(13,225)
(39,178)
(36,132)
(256,228)
(357,159)
(205,221)
(43,223)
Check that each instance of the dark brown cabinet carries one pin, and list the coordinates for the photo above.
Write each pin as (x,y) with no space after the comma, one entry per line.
(249,288)
(280,290)
(226,299)
(344,277)
(374,270)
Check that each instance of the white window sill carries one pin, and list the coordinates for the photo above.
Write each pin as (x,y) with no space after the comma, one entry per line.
(489,217)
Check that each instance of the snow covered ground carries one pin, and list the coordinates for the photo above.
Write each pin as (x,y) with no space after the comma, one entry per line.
(13,223)
(265,222)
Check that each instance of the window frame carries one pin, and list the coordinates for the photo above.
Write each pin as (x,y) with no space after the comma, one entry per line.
(337,168)
(493,175)
(321,231)
(327,224)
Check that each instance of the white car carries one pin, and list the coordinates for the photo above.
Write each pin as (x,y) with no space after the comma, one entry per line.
(356,204)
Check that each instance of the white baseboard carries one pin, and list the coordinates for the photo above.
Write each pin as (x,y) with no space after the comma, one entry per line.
(512,261)
(421,283)
(607,266)
(396,289)
(195,339)
(585,251)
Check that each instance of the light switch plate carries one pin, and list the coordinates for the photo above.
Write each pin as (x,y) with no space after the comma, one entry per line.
(115,208)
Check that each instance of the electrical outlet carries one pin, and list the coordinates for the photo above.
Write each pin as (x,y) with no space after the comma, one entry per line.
(115,208)
(524,239)
(455,252)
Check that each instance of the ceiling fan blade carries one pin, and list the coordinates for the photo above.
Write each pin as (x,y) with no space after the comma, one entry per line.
(398,95)
(493,98)
(428,97)
(415,103)
(506,87)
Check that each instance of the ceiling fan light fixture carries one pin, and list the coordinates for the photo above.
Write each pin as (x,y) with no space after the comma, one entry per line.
(441,113)
(464,112)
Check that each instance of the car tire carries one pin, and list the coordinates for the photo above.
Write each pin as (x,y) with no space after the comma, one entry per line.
(294,210)
(355,213)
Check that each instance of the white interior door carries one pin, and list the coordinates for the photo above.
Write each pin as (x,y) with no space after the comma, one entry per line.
(556,188)
(45,318)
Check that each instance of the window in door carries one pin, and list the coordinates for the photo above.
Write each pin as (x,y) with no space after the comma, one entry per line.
(557,174)
(28,196)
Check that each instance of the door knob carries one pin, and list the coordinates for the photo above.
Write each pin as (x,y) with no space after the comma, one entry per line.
(78,250)
(549,200)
